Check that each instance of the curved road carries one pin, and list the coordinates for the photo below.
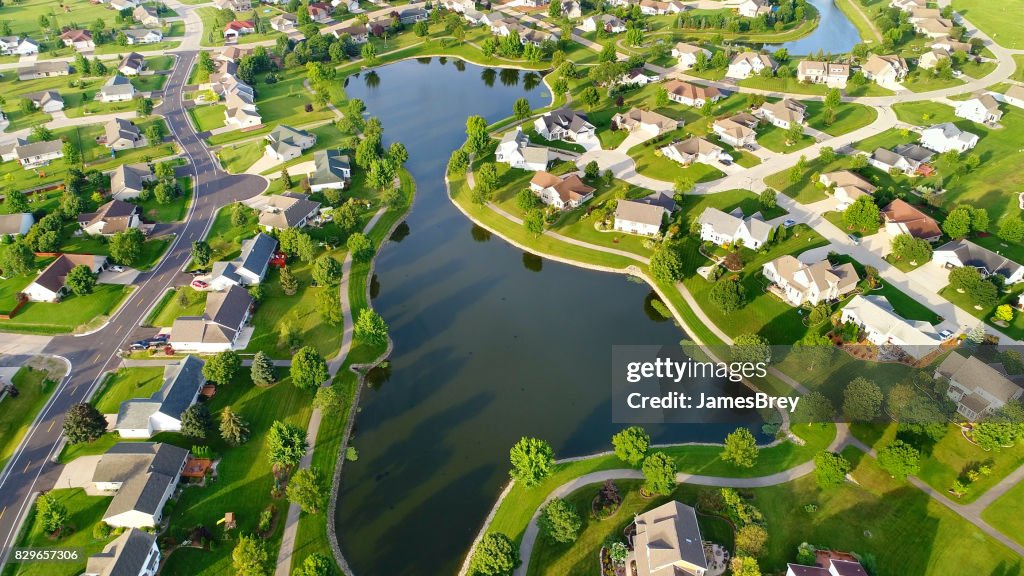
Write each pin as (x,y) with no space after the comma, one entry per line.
(30,470)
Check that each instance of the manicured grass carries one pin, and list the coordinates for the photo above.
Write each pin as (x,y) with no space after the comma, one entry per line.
(836,218)
(1018,74)
(152,249)
(727,201)
(225,238)
(924,113)
(557,144)
(149,83)
(69,314)
(171,306)
(207,117)
(791,85)
(213,35)
(774,139)
(1015,329)
(173,211)
(1000,20)
(160,63)
(1006,513)
(18,413)
(903,305)
(888,139)
(239,157)
(848,118)
(23,17)
(924,81)
(650,162)
(168,44)
(125,384)
(84,512)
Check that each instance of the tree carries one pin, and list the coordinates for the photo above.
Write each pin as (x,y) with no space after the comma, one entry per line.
(233,429)
(863,214)
(958,222)
(899,459)
(1011,229)
(42,133)
(965,277)
(589,96)
(371,328)
(666,264)
(659,471)
(239,214)
(768,198)
(534,222)
(195,421)
(862,400)
(80,280)
(740,448)
(531,460)
(328,399)
(555,10)
(326,270)
(286,444)
(316,564)
(250,558)
(382,174)
(262,371)
(155,133)
(51,513)
(126,247)
(751,348)
(84,423)
(421,28)
(631,445)
(592,171)
(727,295)
(16,259)
(222,366)
(398,154)
(306,489)
(1004,313)
(328,304)
(289,284)
(144,106)
(521,109)
(201,253)
(750,540)
(744,566)
(814,408)
(16,202)
(494,555)
(833,99)
(70,152)
(559,519)
(906,247)
(368,52)
(308,369)
(360,247)
(477,136)
(830,469)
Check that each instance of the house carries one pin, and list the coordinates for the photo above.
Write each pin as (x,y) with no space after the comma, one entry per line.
(753,8)
(846,186)
(564,124)
(831,74)
(950,45)
(80,40)
(899,217)
(146,16)
(110,218)
(800,283)
(319,12)
(331,169)
(933,27)
(357,33)
(907,5)
(906,158)
(413,14)
(8,149)
(26,47)
(606,22)
(885,70)
(658,7)
(119,5)
(287,210)
(132,64)
(831,567)
(562,193)
(639,77)
(946,136)
(239,105)
(737,131)
(144,474)
(161,412)
(232,54)
(747,64)
(285,142)
(691,94)
(882,326)
(39,154)
(784,113)
(121,134)
(979,389)
(249,268)
(917,14)
(49,285)
(930,60)
(8,44)
(981,108)
(1014,95)
(236,28)
(515,150)
(117,89)
(667,542)
(571,9)
(644,120)
(48,101)
(634,217)
(220,326)
(143,36)
(536,37)
(133,553)
(966,253)
(693,149)
(44,69)
(505,27)
(686,54)
(721,228)
(234,5)
(284,22)
(128,180)
(16,224)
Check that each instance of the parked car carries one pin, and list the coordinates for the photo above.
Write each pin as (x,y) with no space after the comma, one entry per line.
(789,223)
(200,284)
(853,238)
(117,268)
(946,334)
(161,338)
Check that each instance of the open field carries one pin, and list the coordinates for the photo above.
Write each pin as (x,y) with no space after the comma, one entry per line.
(18,413)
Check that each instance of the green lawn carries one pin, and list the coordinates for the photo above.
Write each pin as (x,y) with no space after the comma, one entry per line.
(172,306)
(152,249)
(650,162)
(557,144)
(1006,514)
(213,35)
(237,158)
(924,113)
(125,384)
(84,512)
(903,305)
(727,201)
(924,81)
(18,413)
(68,315)
(888,139)
(790,85)
(160,63)
(1000,20)
(207,117)
(149,83)
(1018,74)
(849,117)
(23,17)
(225,238)
(1015,329)
(836,218)
(174,211)
(774,139)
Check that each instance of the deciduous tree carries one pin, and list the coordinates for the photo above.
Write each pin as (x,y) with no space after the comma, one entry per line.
(740,448)
(631,445)
(306,489)
(83,423)
(532,460)
(659,471)
(222,366)
(559,520)
(308,369)
(286,444)
(830,469)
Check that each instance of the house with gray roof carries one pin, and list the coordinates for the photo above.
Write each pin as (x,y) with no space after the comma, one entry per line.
(133,553)
(161,412)
(44,69)
(143,35)
(331,169)
(978,389)
(16,224)
(132,64)
(564,124)
(147,16)
(966,253)
(220,326)
(635,217)
(47,101)
(121,134)
(285,142)
(117,89)
(882,326)
(667,543)
(721,228)
(249,268)
(111,218)
(128,180)
(39,154)
(289,210)
(906,158)
(144,475)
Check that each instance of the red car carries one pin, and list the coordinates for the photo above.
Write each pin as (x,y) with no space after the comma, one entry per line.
(199,284)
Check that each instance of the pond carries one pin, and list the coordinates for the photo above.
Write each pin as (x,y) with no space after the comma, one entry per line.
(835,33)
(491,343)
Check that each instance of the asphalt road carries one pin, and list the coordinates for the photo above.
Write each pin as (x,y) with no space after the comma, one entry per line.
(30,469)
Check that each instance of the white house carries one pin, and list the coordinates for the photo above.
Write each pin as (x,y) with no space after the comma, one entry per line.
(147,16)
(143,36)
(966,253)
(117,89)
(753,8)
(26,47)
(128,180)
(80,40)
(564,124)
(721,228)
(982,108)
(846,186)
(747,64)
(249,268)
(285,143)
(562,193)
(784,113)
(694,149)
(686,54)
(800,283)
(978,389)
(331,170)
(899,217)
(121,134)
(639,77)
(882,326)
(1014,96)
(738,130)
(644,120)
(515,150)
(887,70)
(36,154)
(47,101)
(633,217)
(132,65)
(49,285)
(161,412)
(606,22)
(220,326)
(667,542)
(133,553)
(691,94)
(946,136)
(111,218)
(144,476)
(833,74)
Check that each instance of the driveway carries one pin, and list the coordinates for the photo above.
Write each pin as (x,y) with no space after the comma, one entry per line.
(78,474)
(121,278)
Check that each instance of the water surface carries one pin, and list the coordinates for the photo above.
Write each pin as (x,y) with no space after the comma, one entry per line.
(835,33)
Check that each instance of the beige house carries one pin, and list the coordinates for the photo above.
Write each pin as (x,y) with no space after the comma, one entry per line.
(747,64)
(640,218)
(109,219)
(693,149)
(784,113)
(800,283)
(121,134)
(686,54)
(738,130)
(882,326)
(831,74)
(667,543)
(644,120)
(885,70)
(978,389)
(691,94)
(562,193)
(846,186)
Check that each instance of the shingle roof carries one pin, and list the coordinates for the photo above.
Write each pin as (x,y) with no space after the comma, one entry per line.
(53,276)
(287,210)
(970,254)
(330,166)
(118,85)
(182,382)
(114,216)
(640,212)
(917,223)
(125,556)
(256,254)
(973,374)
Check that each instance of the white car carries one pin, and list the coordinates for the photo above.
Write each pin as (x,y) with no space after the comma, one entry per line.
(117,268)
